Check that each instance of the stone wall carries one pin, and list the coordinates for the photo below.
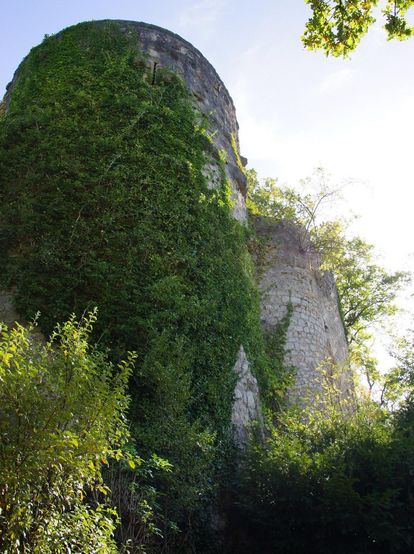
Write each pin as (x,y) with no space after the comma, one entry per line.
(246,407)
(316,344)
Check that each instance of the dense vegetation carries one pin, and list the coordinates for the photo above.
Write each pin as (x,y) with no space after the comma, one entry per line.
(326,484)
(104,203)
(62,415)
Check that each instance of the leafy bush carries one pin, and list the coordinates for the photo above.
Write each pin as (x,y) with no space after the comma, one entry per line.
(62,416)
(324,484)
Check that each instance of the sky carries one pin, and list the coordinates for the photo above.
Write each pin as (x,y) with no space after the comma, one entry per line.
(297,110)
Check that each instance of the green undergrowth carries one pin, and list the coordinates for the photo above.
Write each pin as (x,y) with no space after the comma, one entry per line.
(104,203)
(323,483)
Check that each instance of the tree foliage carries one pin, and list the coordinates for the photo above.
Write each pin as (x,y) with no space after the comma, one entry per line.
(366,290)
(326,484)
(62,418)
(397,385)
(337,26)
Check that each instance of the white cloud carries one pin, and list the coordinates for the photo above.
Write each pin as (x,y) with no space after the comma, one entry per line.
(249,56)
(260,139)
(335,81)
(201,15)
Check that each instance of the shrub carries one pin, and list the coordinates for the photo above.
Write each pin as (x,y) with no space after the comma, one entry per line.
(324,484)
(62,417)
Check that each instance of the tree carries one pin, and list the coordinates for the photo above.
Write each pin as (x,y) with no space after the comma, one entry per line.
(366,291)
(397,385)
(337,26)
(62,418)
(268,198)
(323,483)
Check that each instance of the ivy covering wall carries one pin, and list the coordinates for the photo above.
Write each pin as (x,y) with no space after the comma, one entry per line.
(104,203)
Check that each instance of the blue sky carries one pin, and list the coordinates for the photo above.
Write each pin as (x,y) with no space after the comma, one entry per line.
(296,109)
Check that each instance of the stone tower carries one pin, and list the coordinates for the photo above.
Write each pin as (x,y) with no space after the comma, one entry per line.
(315,333)
(316,345)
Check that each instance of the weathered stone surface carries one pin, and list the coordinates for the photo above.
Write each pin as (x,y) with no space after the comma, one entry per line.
(316,343)
(246,407)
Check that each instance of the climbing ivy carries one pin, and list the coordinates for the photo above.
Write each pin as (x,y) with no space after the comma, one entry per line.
(279,376)
(104,203)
